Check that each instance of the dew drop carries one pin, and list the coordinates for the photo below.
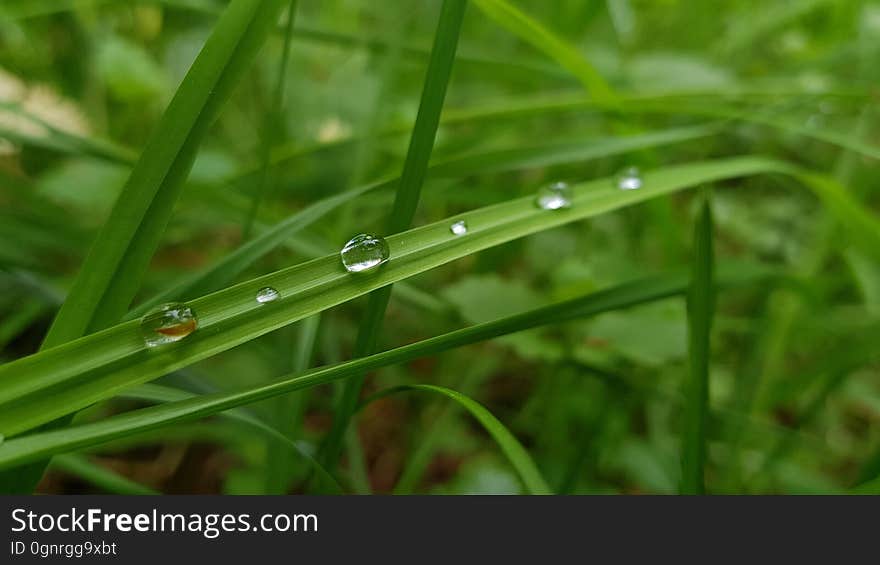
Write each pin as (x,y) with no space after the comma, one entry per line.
(364,252)
(267,294)
(168,323)
(630,179)
(459,227)
(554,196)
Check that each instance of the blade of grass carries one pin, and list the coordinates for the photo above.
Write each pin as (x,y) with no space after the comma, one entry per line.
(80,466)
(530,30)
(112,271)
(700,310)
(120,255)
(517,455)
(428,442)
(406,201)
(289,411)
(63,141)
(534,106)
(99,365)
(28,448)
(273,123)
(163,394)
(232,264)
(832,374)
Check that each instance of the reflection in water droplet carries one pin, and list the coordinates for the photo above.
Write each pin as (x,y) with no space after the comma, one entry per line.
(459,227)
(267,294)
(629,179)
(168,323)
(364,252)
(554,196)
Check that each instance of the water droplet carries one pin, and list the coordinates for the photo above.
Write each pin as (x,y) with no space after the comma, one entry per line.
(629,179)
(267,294)
(168,323)
(364,252)
(459,227)
(554,196)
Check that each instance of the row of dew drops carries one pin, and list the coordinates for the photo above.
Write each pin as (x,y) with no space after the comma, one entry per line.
(365,252)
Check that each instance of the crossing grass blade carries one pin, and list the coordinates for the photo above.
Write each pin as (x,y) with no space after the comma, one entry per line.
(530,30)
(409,188)
(112,271)
(105,479)
(101,365)
(272,128)
(700,310)
(16,451)
(514,451)
(163,394)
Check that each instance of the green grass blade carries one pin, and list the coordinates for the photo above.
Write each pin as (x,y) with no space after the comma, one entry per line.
(272,126)
(700,309)
(162,394)
(112,271)
(63,141)
(113,483)
(33,447)
(409,188)
(530,30)
(234,263)
(99,365)
(517,455)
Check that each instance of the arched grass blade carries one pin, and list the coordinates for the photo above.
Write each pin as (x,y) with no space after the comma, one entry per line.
(517,455)
(530,30)
(163,394)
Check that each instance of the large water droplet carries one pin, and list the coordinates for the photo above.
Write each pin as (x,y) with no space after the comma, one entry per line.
(168,323)
(459,227)
(364,252)
(267,294)
(629,179)
(554,196)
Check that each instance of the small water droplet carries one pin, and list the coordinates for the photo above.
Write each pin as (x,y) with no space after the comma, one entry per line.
(267,294)
(554,196)
(459,227)
(168,323)
(629,179)
(364,252)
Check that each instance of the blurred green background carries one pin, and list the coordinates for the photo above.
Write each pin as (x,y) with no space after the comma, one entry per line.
(795,381)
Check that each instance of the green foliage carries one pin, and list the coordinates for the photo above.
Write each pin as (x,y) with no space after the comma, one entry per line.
(197,150)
